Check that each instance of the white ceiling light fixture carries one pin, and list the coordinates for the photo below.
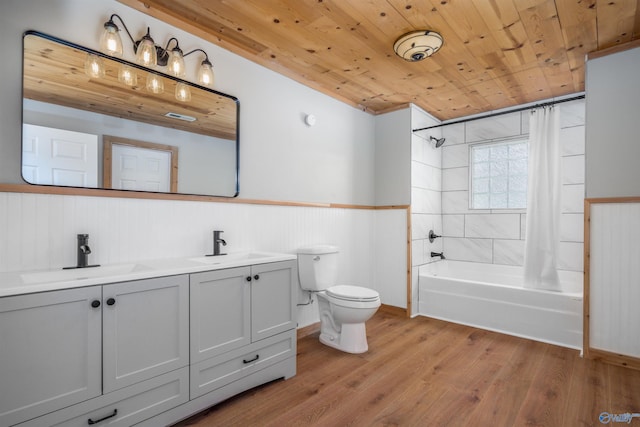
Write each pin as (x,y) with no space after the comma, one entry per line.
(418,45)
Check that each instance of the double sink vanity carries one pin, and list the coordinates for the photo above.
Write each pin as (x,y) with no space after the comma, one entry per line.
(146,343)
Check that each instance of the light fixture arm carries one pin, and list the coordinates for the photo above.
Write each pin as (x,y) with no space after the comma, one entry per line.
(110,22)
(177,45)
(206,57)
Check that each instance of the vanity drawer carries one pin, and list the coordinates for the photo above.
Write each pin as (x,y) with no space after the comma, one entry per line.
(218,371)
(128,406)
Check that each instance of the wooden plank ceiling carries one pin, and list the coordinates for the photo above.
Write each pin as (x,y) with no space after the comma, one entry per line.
(496,54)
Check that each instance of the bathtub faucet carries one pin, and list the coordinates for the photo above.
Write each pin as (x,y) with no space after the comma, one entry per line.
(436,254)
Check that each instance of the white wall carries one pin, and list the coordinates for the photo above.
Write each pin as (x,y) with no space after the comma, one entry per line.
(497,236)
(281,159)
(613,103)
(393,158)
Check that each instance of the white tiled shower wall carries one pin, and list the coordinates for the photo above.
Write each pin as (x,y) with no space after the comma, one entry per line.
(39,232)
(426,187)
(497,236)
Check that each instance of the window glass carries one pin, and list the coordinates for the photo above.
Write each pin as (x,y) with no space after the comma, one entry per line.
(499,175)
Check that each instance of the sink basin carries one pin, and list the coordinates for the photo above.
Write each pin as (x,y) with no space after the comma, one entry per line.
(80,273)
(232,257)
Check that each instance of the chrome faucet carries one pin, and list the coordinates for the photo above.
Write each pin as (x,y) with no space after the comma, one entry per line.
(437,254)
(83,252)
(217,241)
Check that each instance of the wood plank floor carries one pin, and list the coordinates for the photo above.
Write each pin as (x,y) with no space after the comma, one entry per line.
(426,372)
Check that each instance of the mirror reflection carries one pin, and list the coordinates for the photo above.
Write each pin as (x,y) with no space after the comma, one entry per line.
(97,122)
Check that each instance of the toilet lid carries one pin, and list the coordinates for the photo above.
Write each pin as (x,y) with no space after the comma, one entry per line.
(353,293)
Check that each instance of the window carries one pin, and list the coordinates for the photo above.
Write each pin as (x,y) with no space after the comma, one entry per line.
(498,175)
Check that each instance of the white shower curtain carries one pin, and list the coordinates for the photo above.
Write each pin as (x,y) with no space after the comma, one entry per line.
(543,200)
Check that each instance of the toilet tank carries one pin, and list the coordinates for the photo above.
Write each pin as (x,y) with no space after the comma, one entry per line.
(318,267)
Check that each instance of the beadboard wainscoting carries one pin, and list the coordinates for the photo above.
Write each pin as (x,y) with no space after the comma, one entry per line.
(38,232)
(612,280)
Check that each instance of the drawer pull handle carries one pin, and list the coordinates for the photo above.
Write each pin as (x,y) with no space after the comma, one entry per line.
(91,422)
(252,360)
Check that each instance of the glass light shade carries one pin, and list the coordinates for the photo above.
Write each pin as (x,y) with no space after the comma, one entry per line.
(94,66)
(110,41)
(127,75)
(176,63)
(205,73)
(183,93)
(146,53)
(154,83)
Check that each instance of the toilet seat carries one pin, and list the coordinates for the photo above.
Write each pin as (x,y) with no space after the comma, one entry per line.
(352,293)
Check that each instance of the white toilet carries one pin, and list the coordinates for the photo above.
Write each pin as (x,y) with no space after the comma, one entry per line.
(343,309)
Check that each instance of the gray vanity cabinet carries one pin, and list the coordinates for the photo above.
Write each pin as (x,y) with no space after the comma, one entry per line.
(273,299)
(145,330)
(112,352)
(242,320)
(145,352)
(50,352)
(220,312)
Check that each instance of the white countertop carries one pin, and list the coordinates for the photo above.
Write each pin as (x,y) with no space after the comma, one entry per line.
(26,282)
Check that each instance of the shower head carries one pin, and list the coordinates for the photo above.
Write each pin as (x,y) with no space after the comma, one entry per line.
(439,141)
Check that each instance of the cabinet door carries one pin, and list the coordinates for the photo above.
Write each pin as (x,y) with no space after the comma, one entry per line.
(220,312)
(50,352)
(273,299)
(146,329)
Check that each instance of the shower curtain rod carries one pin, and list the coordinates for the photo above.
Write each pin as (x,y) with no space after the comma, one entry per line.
(515,110)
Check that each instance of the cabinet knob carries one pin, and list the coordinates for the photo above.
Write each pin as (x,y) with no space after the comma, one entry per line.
(248,278)
(256,277)
(95,303)
(111,301)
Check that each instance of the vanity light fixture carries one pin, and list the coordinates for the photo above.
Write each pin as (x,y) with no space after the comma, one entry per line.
(154,83)
(183,93)
(418,45)
(151,55)
(127,75)
(94,66)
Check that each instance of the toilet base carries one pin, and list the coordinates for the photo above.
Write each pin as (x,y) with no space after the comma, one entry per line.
(351,339)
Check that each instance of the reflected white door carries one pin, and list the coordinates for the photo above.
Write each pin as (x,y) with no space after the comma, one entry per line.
(141,169)
(59,157)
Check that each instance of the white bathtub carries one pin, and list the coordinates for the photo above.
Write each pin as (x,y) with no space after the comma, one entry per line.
(491,297)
